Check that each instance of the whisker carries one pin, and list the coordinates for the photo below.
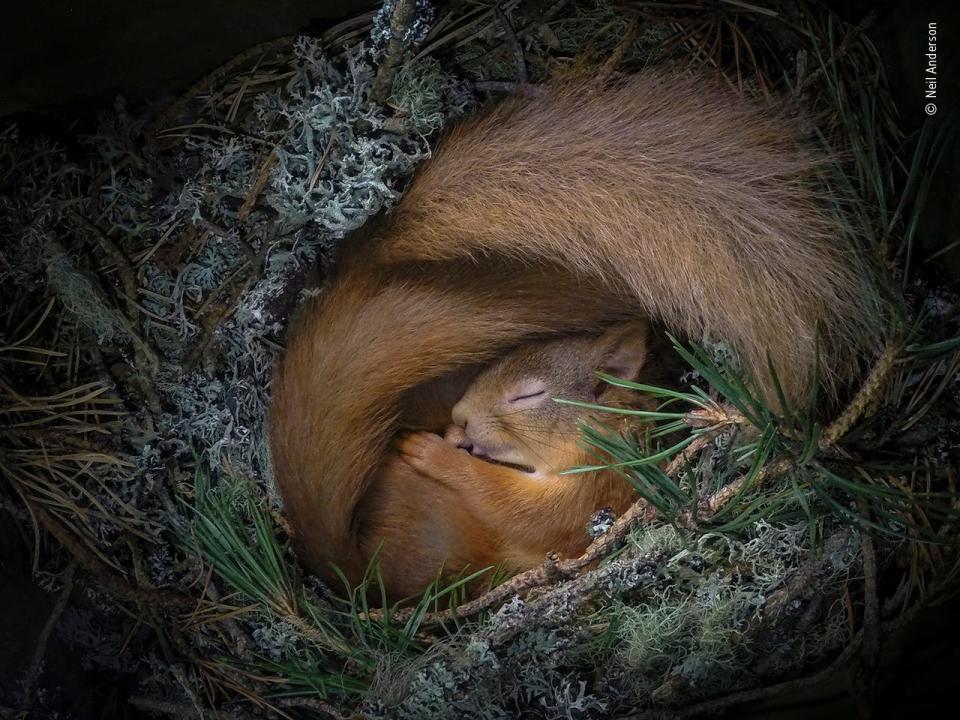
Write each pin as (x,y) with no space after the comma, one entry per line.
(512,412)
(533,429)
(521,437)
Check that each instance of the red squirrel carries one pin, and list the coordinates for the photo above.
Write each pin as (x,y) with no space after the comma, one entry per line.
(510,442)
(658,195)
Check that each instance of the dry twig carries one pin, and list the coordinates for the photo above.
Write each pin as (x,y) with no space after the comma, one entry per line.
(217,76)
(33,671)
(620,51)
(401,20)
(120,588)
(259,183)
(516,49)
(183,710)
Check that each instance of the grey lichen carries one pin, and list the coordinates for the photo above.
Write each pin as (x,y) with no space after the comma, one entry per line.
(688,630)
(472,680)
(330,164)
(79,293)
(428,96)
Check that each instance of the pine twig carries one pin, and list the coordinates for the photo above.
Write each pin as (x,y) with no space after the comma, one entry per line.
(218,75)
(128,278)
(259,183)
(863,672)
(602,546)
(854,34)
(516,49)
(561,602)
(803,586)
(711,708)
(156,706)
(620,51)
(33,671)
(871,388)
(236,292)
(310,703)
(506,86)
(146,356)
(712,504)
(874,384)
(326,156)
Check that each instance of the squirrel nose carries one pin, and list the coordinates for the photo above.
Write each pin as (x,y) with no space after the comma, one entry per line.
(463,440)
(458,436)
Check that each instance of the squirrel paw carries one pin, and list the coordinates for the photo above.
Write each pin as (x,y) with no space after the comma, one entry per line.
(430,455)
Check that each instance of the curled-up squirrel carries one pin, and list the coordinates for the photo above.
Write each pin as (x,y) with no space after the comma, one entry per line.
(660,196)
(509,443)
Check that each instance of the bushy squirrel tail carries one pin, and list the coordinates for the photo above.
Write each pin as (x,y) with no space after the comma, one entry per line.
(703,207)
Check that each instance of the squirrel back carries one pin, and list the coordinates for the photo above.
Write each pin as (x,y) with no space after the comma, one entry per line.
(659,195)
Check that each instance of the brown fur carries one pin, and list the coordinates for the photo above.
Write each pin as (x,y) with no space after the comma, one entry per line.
(660,193)
(698,203)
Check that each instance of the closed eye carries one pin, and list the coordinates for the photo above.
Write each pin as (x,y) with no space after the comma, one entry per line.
(529,396)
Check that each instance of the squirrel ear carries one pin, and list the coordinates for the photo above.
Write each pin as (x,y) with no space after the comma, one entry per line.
(624,350)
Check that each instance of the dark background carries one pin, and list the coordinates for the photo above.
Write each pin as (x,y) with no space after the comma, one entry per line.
(62,62)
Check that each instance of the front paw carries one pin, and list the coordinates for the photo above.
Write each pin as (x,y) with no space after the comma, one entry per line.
(430,455)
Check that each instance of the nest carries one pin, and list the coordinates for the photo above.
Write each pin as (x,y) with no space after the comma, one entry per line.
(149,268)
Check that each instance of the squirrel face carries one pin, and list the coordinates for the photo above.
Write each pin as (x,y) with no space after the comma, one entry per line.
(508,414)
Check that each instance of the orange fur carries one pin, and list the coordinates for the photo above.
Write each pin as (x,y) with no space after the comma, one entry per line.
(701,205)
(659,195)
